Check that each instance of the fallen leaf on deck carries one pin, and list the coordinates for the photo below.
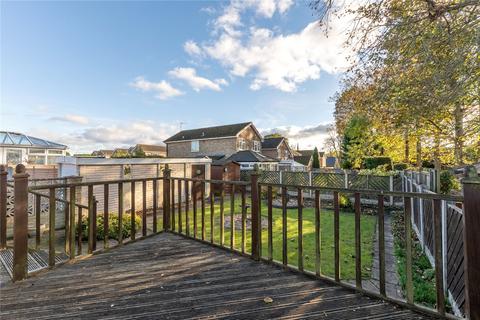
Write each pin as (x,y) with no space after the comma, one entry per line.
(268,300)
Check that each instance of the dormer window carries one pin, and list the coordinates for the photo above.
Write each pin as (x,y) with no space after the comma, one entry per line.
(195,146)
(241,144)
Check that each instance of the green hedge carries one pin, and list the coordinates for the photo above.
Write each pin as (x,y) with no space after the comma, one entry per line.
(448,182)
(400,166)
(375,162)
(112,226)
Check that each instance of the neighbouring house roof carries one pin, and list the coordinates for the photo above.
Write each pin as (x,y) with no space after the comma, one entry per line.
(9,139)
(106,153)
(310,153)
(221,160)
(305,160)
(151,148)
(250,156)
(272,143)
(230,130)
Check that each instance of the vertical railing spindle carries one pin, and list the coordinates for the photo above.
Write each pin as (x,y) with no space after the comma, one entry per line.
(71,235)
(133,228)
(38,209)
(336,234)
(244,218)
(155,204)
(172,205)
(120,213)
(91,221)
(318,238)
(437,233)
(187,209)
(222,216)
(144,208)
(269,223)
(232,217)
(381,243)
(180,227)
(194,205)
(79,231)
(300,228)
(51,227)
(284,227)
(255,217)
(358,243)
(3,206)
(202,202)
(212,212)
(408,248)
(106,199)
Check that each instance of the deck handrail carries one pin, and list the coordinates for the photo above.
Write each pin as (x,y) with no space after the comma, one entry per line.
(179,193)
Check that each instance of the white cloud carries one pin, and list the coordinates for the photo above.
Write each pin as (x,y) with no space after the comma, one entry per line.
(163,89)
(116,134)
(307,137)
(71,118)
(189,75)
(273,59)
(192,48)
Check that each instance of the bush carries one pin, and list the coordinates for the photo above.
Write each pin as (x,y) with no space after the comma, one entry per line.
(112,226)
(400,166)
(448,182)
(374,162)
(344,201)
(428,164)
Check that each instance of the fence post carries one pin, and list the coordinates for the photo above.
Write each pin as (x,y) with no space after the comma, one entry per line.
(20,224)
(255,216)
(444,242)
(346,178)
(310,182)
(391,189)
(471,239)
(166,198)
(420,209)
(281,176)
(3,207)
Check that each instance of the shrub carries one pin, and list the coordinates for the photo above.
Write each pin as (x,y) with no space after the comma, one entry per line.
(344,201)
(400,166)
(112,226)
(448,182)
(428,164)
(374,162)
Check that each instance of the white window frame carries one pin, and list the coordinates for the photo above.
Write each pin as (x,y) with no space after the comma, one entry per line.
(195,146)
(256,146)
(242,144)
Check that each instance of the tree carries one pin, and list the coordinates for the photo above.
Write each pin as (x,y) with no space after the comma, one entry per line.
(315,159)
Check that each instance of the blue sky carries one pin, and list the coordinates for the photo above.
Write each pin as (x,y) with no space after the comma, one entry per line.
(110,74)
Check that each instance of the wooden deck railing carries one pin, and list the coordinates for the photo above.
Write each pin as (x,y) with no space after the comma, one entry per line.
(186,199)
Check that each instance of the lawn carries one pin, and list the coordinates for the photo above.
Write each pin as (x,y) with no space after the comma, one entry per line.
(347,236)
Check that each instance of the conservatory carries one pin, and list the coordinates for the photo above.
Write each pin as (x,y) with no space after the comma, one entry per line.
(16,148)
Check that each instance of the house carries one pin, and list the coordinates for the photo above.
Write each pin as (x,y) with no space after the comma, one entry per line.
(16,148)
(102,153)
(305,157)
(214,141)
(249,159)
(120,153)
(149,150)
(277,148)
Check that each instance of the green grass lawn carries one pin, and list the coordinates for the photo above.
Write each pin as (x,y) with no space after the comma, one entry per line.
(347,236)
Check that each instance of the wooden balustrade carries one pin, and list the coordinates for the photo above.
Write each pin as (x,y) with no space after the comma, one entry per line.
(184,197)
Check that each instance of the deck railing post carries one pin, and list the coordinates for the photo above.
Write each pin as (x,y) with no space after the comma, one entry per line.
(255,216)
(20,224)
(471,238)
(166,198)
(3,207)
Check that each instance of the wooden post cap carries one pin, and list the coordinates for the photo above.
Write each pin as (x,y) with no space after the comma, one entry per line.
(20,169)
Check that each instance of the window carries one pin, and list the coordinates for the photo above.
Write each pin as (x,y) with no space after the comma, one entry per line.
(195,146)
(256,146)
(36,151)
(14,156)
(55,152)
(241,144)
(36,159)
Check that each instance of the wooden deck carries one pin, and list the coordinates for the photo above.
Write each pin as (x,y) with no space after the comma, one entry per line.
(170,277)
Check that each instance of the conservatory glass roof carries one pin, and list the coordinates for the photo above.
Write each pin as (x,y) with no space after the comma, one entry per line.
(8,138)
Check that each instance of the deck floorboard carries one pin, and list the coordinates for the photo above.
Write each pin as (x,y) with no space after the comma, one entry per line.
(170,277)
